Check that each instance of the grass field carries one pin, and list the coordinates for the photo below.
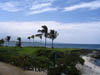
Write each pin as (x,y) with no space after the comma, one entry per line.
(30,50)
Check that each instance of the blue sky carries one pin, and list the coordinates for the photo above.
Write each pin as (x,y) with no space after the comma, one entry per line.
(77,21)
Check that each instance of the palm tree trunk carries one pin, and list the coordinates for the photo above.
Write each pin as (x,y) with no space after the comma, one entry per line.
(52,43)
(8,43)
(33,42)
(45,42)
(29,42)
(40,43)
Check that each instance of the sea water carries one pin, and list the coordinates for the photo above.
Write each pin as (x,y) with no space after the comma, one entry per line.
(56,45)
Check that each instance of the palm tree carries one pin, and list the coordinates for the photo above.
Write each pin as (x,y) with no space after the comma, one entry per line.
(40,36)
(52,35)
(45,32)
(8,39)
(29,38)
(19,38)
(33,39)
(19,42)
(2,42)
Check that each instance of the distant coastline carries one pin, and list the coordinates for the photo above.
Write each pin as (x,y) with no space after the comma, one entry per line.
(58,45)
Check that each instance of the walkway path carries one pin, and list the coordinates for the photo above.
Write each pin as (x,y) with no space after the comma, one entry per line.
(6,69)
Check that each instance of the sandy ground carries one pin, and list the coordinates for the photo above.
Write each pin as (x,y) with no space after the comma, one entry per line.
(89,68)
(6,69)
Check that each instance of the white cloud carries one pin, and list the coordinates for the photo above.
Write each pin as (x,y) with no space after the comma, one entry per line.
(90,5)
(68,32)
(9,6)
(29,6)
(42,10)
(41,7)
(72,1)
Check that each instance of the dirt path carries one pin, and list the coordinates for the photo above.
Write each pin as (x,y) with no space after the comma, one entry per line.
(6,69)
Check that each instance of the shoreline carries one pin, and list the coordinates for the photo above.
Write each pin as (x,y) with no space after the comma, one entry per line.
(91,65)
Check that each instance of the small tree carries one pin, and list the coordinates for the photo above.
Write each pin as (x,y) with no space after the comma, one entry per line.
(8,39)
(33,39)
(1,42)
(29,38)
(53,35)
(19,43)
(39,35)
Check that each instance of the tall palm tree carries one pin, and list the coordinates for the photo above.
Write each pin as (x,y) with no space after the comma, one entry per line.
(53,35)
(33,39)
(19,42)
(45,32)
(8,39)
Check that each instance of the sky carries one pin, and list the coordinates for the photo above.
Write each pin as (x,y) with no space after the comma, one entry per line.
(76,21)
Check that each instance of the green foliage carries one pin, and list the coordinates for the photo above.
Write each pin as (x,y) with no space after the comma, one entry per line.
(42,59)
(6,55)
(8,38)
(19,43)
(53,34)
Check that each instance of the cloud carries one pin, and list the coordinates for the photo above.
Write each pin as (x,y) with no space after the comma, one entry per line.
(72,1)
(14,6)
(29,6)
(9,6)
(41,7)
(42,10)
(90,5)
(68,32)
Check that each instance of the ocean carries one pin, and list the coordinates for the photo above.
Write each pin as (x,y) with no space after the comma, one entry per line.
(56,45)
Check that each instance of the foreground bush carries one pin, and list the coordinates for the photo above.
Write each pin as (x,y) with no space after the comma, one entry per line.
(54,62)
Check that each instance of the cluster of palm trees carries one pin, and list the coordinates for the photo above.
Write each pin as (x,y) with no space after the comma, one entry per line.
(52,34)
(1,42)
(7,39)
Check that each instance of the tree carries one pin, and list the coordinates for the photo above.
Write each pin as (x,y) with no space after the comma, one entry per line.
(29,38)
(19,42)
(8,39)
(33,39)
(45,32)
(39,35)
(52,35)
(2,42)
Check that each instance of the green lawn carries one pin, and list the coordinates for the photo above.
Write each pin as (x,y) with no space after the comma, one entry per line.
(30,50)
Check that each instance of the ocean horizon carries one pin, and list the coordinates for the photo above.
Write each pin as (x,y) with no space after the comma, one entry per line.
(56,45)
